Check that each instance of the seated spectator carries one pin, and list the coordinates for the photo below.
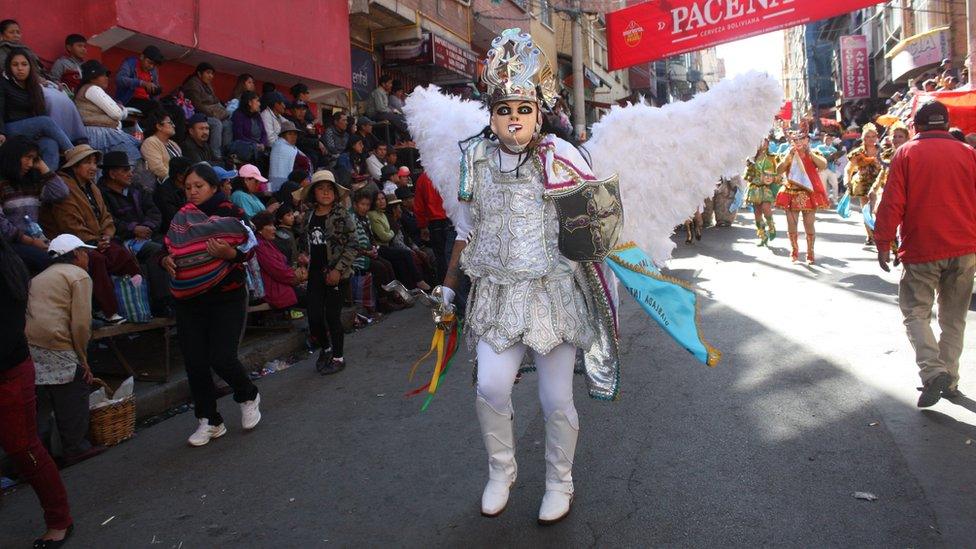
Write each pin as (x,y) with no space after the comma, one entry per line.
(408,219)
(246,186)
(158,147)
(378,108)
(364,129)
(248,129)
(375,163)
(296,180)
(336,137)
(169,196)
(399,178)
(273,115)
(245,82)
(67,69)
(198,88)
(196,146)
(300,94)
(18,405)
(137,222)
(281,282)
(398,96)
(286,234)
(423,259)
(25,184)
(22,108)
(58,331)
(400,256)
(299,114)
(353,163)
(226,178)
(392,156)
(285,156)
(368,259)
(101,114)
(84,214)
(137,82)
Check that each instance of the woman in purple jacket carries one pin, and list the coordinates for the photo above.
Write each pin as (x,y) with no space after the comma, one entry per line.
(250,137)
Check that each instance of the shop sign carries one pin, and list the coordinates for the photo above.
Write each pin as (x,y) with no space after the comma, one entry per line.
(454,58)
(855,74)
(661,28)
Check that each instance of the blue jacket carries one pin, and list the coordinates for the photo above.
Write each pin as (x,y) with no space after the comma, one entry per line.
(126,80)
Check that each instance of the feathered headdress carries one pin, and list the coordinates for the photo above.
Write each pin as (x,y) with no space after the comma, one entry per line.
(516,69)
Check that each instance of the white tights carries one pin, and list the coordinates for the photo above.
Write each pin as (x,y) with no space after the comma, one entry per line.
(496,376)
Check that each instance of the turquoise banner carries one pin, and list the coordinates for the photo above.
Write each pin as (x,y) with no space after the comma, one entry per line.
(671,303)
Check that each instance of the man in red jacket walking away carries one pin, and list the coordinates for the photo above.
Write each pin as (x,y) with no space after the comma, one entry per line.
(931,195)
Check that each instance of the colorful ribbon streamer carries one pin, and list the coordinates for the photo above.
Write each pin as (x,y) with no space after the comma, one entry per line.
(444,345)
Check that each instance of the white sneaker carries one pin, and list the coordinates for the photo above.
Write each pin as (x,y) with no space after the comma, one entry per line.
(250,414)
(205,432)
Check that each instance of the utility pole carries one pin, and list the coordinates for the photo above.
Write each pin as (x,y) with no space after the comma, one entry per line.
(971,37)
(579,108)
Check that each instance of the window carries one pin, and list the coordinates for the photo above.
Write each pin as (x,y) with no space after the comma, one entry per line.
(930,14)
(524,4)
(545,13)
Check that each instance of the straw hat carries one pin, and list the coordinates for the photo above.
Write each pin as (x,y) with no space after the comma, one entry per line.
(321,176)
(78,153)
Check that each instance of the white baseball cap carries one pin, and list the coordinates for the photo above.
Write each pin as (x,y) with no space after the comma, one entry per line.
(64,244)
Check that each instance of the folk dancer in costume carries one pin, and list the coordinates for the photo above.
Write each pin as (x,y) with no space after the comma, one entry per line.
(761,175)
(897,136)
(537,230)
(803,193)
(862,171)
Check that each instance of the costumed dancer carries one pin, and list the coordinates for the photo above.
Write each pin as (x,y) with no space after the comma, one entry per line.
(897,136)
(537,230)
(862,171)
(761,175)
(693,227)
(803,193)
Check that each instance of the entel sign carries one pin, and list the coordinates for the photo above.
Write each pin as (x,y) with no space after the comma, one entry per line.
(660,28)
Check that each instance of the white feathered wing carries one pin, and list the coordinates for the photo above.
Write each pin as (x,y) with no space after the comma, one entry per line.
(437,122)
(669,159)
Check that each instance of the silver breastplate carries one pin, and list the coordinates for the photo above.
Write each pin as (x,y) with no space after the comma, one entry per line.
(515,234)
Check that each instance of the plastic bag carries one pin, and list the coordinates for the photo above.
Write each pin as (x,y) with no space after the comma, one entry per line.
(100,398)
(868,217)
(844,206)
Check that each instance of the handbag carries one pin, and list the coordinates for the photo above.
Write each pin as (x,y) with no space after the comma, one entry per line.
(255,286)
(362,290)
(133,300)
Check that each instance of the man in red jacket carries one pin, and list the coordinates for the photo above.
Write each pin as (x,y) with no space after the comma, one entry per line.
(931,195)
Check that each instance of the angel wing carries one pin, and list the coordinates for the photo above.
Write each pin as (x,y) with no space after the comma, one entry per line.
(437,122)
(669,159)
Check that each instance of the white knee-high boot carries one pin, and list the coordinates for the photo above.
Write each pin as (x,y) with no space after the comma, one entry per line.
(497,431)
(561,436)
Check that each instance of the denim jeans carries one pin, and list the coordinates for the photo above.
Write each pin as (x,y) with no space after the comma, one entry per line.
(50,138)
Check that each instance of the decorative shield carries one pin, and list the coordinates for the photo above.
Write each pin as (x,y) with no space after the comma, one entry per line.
(590,218)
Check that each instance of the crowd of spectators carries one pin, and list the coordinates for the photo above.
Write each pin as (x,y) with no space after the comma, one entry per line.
(101,176)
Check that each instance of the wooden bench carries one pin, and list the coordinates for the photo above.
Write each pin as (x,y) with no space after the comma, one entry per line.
(109,333)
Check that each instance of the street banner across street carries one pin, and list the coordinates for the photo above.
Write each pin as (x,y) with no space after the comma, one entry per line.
(855,75)
(662,28)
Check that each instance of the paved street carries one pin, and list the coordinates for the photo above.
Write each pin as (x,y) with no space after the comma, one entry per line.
(813,401)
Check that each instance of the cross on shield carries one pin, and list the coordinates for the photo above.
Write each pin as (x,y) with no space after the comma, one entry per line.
(590,218)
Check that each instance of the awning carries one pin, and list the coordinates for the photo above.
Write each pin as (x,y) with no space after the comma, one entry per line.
(917,54)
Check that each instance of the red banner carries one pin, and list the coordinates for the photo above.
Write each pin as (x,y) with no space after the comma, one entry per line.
(855,75)
(662,28)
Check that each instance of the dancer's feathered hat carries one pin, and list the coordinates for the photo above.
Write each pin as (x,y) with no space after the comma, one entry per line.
(515,69)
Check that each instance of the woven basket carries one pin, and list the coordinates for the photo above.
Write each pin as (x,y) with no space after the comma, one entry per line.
(110,425)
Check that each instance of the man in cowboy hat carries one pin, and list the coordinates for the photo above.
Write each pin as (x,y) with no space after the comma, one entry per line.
(331,233)
(285,156)
(137,221)
(84,214)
